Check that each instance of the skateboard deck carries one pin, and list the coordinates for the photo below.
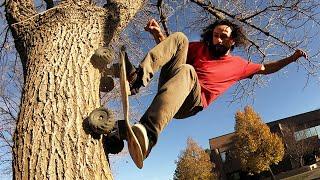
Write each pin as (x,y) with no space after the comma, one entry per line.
(133,144)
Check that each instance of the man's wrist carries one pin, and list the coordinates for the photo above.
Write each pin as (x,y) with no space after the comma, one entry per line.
(293,58)
(157,35)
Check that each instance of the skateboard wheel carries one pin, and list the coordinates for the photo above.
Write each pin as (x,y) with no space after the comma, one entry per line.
(106,84)
(102,57)
(101,121)
(113,144)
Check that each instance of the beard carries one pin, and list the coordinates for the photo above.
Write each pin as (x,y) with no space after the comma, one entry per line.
(218,50)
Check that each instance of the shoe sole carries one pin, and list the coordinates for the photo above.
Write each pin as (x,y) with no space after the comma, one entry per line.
(140,135)
(135,150)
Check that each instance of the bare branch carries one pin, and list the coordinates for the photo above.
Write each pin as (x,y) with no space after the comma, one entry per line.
(215,12)
(4,44)
(257,47)
(296,148)
(18,10)
(210,8)
(3,4)
(163,17)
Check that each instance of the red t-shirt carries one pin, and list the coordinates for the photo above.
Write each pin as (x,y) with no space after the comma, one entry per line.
(217,75)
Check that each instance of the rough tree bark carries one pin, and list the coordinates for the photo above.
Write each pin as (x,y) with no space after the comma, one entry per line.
(61,86)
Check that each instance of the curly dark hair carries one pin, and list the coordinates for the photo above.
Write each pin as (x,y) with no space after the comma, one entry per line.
(237,33)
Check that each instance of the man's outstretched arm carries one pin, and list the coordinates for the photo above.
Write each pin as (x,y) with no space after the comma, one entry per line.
(154,28)
(275,66)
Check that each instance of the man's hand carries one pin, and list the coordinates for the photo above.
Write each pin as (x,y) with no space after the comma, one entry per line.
(154,28)
(275,66)
(299,53)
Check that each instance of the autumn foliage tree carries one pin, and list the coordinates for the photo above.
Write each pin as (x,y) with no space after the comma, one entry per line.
(193,163)
(256,147)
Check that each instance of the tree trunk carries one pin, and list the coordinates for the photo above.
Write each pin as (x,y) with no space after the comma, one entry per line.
(61,88)
(272,175)
(301,161)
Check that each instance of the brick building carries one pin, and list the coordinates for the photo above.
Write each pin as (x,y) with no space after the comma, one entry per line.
(301,136)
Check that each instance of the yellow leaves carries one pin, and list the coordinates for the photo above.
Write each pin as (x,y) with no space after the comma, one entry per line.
(256,147)
(193,163)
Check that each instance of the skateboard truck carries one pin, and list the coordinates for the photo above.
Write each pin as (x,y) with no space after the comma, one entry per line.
(102,59)
(101,120)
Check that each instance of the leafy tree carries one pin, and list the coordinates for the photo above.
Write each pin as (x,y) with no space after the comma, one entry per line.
(296,148)
(193,163)
(255,146)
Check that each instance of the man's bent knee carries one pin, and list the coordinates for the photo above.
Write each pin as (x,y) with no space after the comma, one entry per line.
(189,69)
(181,37)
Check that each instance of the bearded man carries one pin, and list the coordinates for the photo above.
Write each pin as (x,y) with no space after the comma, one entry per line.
(192,74)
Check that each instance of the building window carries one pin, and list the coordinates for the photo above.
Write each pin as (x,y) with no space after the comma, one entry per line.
(318,131)
(313,132)
(299,135)
(223,156)
(306,133)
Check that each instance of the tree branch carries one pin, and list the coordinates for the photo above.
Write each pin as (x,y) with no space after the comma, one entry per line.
(4,44)
(257,47)
(126,10)
(210,8)
(163,17)
(19,10)
(264,10)
(215,12)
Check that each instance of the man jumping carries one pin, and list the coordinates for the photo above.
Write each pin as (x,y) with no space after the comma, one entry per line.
(192,74)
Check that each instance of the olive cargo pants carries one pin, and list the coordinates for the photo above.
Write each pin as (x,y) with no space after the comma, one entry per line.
(179,92)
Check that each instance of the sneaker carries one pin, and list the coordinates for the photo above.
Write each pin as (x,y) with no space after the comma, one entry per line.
(141,134)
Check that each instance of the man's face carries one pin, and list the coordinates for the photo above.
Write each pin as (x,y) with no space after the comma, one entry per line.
(221,40)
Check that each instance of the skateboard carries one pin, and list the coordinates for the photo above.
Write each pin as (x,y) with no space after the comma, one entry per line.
(101,121)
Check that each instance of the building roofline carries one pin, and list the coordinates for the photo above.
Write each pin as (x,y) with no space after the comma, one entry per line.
(221,136)
(274,122)
(294,116)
